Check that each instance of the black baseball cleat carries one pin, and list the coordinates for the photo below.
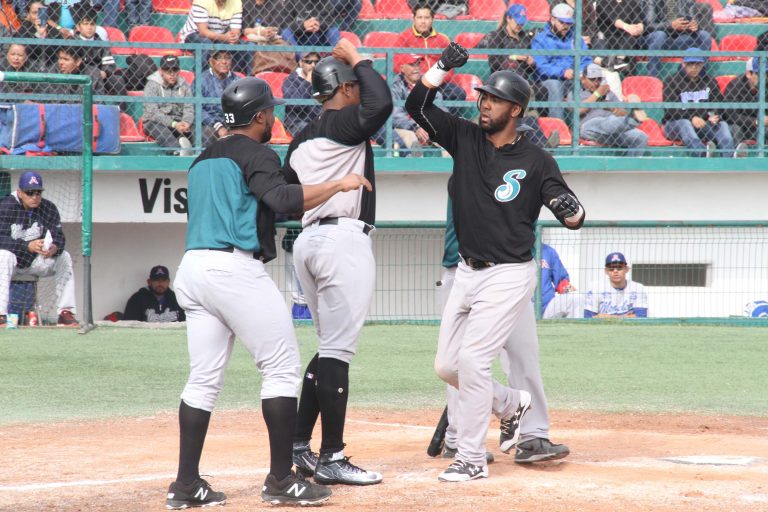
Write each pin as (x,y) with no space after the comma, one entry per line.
(304,459)
(293,490)
(510,427)
(335,468)
(198,494)
(539,450)
(461,471)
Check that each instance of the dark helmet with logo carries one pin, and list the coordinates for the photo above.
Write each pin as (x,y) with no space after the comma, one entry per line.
(328,76)
(244,98)
(509,86)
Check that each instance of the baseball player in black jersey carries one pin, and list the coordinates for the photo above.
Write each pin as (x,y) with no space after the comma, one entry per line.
(500,181)
(333,255)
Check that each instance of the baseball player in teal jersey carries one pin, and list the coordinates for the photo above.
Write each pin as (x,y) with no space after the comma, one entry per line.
(521,366)
(234,189)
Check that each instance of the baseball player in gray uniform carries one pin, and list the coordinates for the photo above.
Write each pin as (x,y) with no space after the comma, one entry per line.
(499,183)
(333,255)
(235,188)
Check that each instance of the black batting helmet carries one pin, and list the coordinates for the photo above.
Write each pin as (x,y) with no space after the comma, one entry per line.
(509,86)
(328,76)
(244,98)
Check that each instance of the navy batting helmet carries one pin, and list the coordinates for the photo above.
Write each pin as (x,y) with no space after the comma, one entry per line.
(245,98)
(509,86)
(328,76)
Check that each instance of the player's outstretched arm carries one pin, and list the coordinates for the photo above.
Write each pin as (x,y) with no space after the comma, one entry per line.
(568,210)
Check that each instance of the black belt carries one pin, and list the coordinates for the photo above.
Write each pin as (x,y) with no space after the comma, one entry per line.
(478,264)
(335,221)
(256,255)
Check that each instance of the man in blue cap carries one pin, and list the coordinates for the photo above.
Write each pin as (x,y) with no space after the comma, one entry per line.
(32,243)
(695,125)
(623,298)
(744,89)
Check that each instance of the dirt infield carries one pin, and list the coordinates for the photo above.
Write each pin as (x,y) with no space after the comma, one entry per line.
(617,462)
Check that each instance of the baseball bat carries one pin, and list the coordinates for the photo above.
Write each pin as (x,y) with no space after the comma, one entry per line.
(436,444)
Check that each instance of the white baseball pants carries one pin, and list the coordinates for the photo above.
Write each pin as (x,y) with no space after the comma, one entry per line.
(59,266)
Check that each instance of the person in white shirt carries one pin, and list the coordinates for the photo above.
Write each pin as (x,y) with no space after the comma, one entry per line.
(623,298)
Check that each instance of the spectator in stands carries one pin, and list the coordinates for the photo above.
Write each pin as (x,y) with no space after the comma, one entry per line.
(310,23)
(214,81)
(555,72)
(737,9)
(298,85)
(97,56)
(137,12)
(623,298)
(345,12)
(423,35)
(510,34)
(31,27)
(263,22)
(213,21)
(408,69)
(620,26)
(694,125)
(557,301)
(745,89)
(588,19)
(69,61)
(170,124)
(110,10)
(609,127)
(672,25)
(156,302)
(32,243)
(16,60)
(9,21)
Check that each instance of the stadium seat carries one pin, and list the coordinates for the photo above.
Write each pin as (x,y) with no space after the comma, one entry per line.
(142,132)
(380,40)
(716,5)
(117,36)
(537,10)
(135,93)
(393,9)
(549,124)
(172,6)
(275,80)
(723,81)
(468,82)
(738,43)
(649,88)
(486,9)
(152,34)
(470,40)
(189,76)
(279,134)
(367,12)
(352,37)
(128,130)
(655,134)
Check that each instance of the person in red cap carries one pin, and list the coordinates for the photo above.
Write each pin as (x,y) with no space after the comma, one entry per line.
(156,302)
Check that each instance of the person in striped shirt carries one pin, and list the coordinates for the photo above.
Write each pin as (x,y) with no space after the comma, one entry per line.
(213,21)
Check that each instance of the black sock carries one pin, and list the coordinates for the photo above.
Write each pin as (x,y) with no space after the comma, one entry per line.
(193,425)
(280,416)
(332,394)
(309,408)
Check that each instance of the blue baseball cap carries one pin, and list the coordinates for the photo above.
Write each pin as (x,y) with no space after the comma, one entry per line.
(159,272)
(517,13)
(693,58)
(31,180)
(615,257)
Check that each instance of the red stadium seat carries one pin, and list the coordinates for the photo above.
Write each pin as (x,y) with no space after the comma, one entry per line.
(117,36)
(655,134)
(142,132)
(716,5)
(135,93)
(380,40)
(648,88)
(189,76)
(738,43)
(352,37)
(467,82)
(549,124)
(393,9)
(275,80)
(367,12)
(470,40)
(723,81)
(279,134)
(486,9)
(536,10)
(172,6)
(128,130)
(152,34)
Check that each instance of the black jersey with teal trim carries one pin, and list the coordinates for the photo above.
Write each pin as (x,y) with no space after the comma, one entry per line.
(234,189)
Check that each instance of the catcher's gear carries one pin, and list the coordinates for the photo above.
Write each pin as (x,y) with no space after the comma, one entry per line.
(454,56)
(564,206)
(328,76)
(509,86)
(245,98)
(435,447)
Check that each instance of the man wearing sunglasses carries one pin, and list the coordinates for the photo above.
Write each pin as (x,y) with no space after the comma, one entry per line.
(623,298)
(32,243)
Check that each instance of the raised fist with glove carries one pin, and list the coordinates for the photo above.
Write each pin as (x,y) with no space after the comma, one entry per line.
(568,210)
(454,56)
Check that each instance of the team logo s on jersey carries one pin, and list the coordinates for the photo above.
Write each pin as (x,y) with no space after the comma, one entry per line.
(511,186)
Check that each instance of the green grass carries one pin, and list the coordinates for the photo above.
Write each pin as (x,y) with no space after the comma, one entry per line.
(58,374)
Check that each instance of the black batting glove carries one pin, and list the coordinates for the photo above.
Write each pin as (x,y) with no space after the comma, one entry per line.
(454,56)
(564,206)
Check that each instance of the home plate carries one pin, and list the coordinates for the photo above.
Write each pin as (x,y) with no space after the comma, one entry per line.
(713,460)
